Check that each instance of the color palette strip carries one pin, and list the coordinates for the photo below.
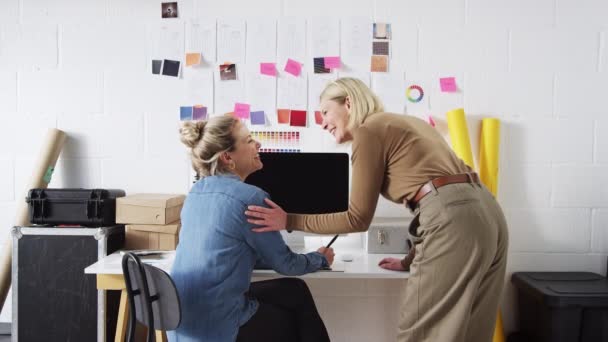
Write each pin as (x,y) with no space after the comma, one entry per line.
(280,150)
(282,139)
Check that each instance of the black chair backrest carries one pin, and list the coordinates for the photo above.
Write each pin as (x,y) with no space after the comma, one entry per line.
(153,298)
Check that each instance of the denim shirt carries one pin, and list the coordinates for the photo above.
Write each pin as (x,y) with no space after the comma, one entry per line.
(216,255)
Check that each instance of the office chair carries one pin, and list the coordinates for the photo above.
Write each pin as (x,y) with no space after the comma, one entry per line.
(153,298)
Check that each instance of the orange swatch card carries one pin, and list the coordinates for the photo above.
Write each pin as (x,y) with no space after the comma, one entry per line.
(379,63)
(193,59)
(283,115)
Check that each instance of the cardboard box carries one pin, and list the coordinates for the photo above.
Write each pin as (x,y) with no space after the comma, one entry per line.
(158,237)
(149,208)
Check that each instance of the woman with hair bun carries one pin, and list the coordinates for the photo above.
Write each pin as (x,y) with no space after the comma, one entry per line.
(217,250)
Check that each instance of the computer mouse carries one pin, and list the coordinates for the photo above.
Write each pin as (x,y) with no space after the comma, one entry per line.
(346,257)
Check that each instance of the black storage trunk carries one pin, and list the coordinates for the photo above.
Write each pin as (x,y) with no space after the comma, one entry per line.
(85,207)
(53,299)
(561,306)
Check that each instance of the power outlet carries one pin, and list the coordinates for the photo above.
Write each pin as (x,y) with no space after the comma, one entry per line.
(386,239)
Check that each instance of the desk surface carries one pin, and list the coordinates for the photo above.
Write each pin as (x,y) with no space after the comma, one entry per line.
(363,266)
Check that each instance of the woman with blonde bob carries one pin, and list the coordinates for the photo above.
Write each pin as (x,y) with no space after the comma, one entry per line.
(217,250)
(457,265)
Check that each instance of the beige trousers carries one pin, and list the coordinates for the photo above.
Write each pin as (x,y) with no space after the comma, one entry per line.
(457,276)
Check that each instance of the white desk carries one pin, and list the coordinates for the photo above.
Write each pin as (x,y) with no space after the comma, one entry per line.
(109,277)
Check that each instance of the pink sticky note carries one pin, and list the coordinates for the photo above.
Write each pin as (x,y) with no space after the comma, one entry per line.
(448,84)
(293,67)
(332,62)
(241,110)
(268,69)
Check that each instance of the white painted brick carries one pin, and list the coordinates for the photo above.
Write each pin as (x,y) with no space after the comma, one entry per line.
(321,8)
(74,91)
(164,94)
(601,141)
(84,135)
(10,12)
(403,46)
(37,11)
(577,13)
(524,185)
(29,45)
(549,230)
(599,231)
(460,49)
(508,93)
(550,140)
(162,136)
(23,135)
(168,175)
(8,91)
(580,186)
(554,49)
(515,13)
(445,13)
(7,185)
(77,173)
(127,90)
(581,95)
(115,45)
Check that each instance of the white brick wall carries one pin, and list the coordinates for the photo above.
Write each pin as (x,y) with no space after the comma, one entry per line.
(540,66)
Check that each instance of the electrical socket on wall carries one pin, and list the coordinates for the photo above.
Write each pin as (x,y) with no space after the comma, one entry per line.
(387,238)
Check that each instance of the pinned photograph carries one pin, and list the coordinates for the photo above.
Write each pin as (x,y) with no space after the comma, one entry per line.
(382,31)
(379,63)
(156,66)
(171,68)
(228,72)
(319,63)
(380,48)
(169,9)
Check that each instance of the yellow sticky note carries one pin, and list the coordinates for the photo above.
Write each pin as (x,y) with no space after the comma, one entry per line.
(193,58)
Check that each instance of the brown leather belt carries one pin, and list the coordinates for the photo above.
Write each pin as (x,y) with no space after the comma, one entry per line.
(438,183)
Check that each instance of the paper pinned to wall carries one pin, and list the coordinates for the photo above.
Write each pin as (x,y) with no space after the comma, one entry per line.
(292,92)
(261,92)
(198,87)
(323,37)
(231,41)
(364,76)
(261,41)
(291,39)
(166,40)
(390,87)
(227,93)
(201,37)
(316,84)
(355,40)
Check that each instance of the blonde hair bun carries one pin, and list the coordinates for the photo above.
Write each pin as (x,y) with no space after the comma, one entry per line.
(191,132)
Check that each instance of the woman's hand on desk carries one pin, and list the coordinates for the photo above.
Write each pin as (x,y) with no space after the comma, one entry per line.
(270,219)
(328,253)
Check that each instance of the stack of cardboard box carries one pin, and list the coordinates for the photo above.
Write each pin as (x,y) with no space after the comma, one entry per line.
(152,220)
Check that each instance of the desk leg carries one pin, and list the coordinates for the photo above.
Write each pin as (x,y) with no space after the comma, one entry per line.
(123,317)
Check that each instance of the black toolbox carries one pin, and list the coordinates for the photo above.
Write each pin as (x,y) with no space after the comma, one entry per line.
(561,306)
(85,207)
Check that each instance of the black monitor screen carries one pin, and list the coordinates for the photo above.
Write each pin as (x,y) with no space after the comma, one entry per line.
(305,183)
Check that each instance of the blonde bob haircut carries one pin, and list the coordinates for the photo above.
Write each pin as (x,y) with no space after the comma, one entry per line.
(363,102)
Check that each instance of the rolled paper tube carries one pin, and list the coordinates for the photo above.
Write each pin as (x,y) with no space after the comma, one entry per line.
(41,177)
(459,135)
(488,153)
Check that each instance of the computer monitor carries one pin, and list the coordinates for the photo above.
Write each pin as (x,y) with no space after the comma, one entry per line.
(305,183)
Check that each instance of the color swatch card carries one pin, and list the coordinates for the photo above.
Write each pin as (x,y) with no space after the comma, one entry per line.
(379,63)
(319,66)
(283,116)
(318,117)
(298,118)
(277,141)
(193,58)
(258,118)
(199,113)
(185,113)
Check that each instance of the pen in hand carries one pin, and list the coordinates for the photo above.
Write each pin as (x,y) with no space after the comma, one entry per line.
(332,241)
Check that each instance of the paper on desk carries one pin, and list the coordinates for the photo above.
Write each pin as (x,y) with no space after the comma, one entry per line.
(391,89)
(231,41)
(291,35)
(261,41)
(336,267)
(201,37)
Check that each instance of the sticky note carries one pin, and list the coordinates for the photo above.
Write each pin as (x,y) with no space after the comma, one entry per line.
(269,69)
(283,116)
(193,59)
(199,113)
(185,113)
(319,66)
(258,118)
(318,117)
(298,118)
(171,68)
(332,62)
(293,67)
(448,84)
(241,110)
